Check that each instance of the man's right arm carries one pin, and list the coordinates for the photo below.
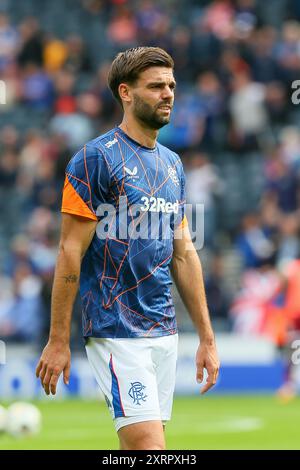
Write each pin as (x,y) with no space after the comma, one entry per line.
(76,235)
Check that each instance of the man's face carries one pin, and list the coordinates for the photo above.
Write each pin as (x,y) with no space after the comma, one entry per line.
(152,97)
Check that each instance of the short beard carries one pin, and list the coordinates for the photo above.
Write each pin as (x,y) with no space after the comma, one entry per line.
(145,113)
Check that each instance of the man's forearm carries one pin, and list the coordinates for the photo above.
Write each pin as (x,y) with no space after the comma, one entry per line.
(187,274)
(64,291)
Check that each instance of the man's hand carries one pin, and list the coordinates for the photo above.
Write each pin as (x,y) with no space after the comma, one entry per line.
(207,358)
(55,359)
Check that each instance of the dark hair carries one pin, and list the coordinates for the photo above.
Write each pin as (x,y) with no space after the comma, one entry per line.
(127,66)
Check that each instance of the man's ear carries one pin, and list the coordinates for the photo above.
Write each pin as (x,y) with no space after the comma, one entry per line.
(125,92)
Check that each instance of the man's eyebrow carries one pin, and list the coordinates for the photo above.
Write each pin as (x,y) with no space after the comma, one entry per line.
(159,82)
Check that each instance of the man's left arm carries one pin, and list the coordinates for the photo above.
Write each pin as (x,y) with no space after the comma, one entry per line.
(187,273)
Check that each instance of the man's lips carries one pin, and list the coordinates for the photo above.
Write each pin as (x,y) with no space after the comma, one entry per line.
(166,107)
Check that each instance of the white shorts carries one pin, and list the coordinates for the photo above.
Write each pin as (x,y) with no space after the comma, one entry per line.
(136,376)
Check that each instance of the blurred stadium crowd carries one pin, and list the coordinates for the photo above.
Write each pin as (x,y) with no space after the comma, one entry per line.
(234,126)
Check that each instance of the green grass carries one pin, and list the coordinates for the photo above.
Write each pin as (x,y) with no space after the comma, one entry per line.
(215,422)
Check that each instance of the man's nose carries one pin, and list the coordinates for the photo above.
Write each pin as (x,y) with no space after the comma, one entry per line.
(167,93)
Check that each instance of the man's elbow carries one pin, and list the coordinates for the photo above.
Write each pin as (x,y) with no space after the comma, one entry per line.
(69,249)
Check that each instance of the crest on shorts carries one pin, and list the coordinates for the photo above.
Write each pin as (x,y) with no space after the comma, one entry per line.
(136,392)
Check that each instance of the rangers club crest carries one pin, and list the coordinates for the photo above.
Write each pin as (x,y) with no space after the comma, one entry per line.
(136,392)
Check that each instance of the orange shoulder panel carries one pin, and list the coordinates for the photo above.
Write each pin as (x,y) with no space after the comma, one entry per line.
(73,204)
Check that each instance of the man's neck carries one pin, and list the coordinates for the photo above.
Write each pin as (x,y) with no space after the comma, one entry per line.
(143,135)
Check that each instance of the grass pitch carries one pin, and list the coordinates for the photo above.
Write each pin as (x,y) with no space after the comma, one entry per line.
(213,422)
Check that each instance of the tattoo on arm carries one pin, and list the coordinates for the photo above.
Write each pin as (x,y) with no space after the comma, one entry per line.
(71,279)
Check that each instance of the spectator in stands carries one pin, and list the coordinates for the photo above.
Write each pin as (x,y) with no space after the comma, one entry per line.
(21,315)
(55,54)
(254,242)
(9,41)
(9,138)
(122,29)
(38,90)
(110,112)
(264,67)
(288,240)
(218,293)
(78,59)
(180,49)
(210,99)
(149,17)
(287,51)
(32,43)
(276,106)
(203,185)
(65,100)
(8,168)
(282,183)
(247,110)
(257,288)
(281,322)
